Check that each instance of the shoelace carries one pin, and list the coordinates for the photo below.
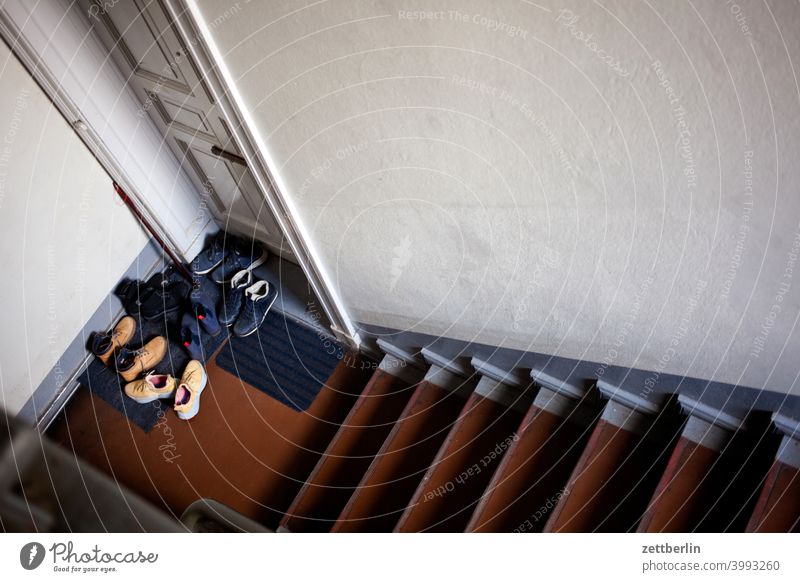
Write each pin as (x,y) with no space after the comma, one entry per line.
(134,354)
(188,378)
(147,383)
(140,352)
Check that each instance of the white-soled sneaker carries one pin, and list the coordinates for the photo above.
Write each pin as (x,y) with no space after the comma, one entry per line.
(187,397)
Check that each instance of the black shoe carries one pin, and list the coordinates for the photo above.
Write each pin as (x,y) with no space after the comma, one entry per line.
(162,294)
(258,298)
(166,297)
(233,297)
(133,293)
(242,255)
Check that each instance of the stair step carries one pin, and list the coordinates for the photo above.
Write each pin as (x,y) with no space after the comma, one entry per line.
(530,479)
(338,472)
(689,486)
(399,466)
(455,482)
(778,506)
(739,477)
(615,476)
(302,450)
(682,495)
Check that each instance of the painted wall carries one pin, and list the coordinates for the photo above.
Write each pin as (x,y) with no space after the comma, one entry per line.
(66,239)
(611,181)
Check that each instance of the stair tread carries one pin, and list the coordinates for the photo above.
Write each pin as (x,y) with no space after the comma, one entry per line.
(304,449)
(349,454)
(402,461)
(677,504)
(445,499)
(613,480)
(739,476)
(778,507)
(532,474)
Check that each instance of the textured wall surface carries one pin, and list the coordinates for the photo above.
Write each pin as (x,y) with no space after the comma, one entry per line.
(65,237)
(614,181)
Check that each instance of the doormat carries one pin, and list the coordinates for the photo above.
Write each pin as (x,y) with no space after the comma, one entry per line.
(284,359)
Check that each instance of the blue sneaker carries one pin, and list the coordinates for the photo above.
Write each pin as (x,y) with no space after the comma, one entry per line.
(242,255)
(203,308)
(213,255)
(190,336)
(258,298)
(233,297)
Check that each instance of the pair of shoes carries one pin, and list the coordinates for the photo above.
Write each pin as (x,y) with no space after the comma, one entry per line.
(105,345)
(200,315)
(113,348)
(160,386)
(240,255)
(227,255)
(246,303)
(160,295)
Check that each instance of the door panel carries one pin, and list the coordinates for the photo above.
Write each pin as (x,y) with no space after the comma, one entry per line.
(159,69)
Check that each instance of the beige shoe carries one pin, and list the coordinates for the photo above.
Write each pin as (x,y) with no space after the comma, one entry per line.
(132,363)
(104,345)
(151,387)
(187,398)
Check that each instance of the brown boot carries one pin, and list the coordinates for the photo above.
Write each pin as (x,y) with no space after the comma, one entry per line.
(132,363)
(104,345)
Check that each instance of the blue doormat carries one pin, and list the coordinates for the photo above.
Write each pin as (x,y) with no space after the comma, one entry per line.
(108,385)
(284,359)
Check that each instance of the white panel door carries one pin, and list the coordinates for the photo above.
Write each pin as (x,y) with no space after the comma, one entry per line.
(149,52)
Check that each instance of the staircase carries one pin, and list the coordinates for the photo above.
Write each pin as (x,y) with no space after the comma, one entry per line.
(437,446)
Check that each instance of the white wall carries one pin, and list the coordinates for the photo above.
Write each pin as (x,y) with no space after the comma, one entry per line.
(65,237)
(614,181)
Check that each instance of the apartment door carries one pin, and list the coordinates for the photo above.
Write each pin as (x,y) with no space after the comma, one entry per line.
(150,53)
